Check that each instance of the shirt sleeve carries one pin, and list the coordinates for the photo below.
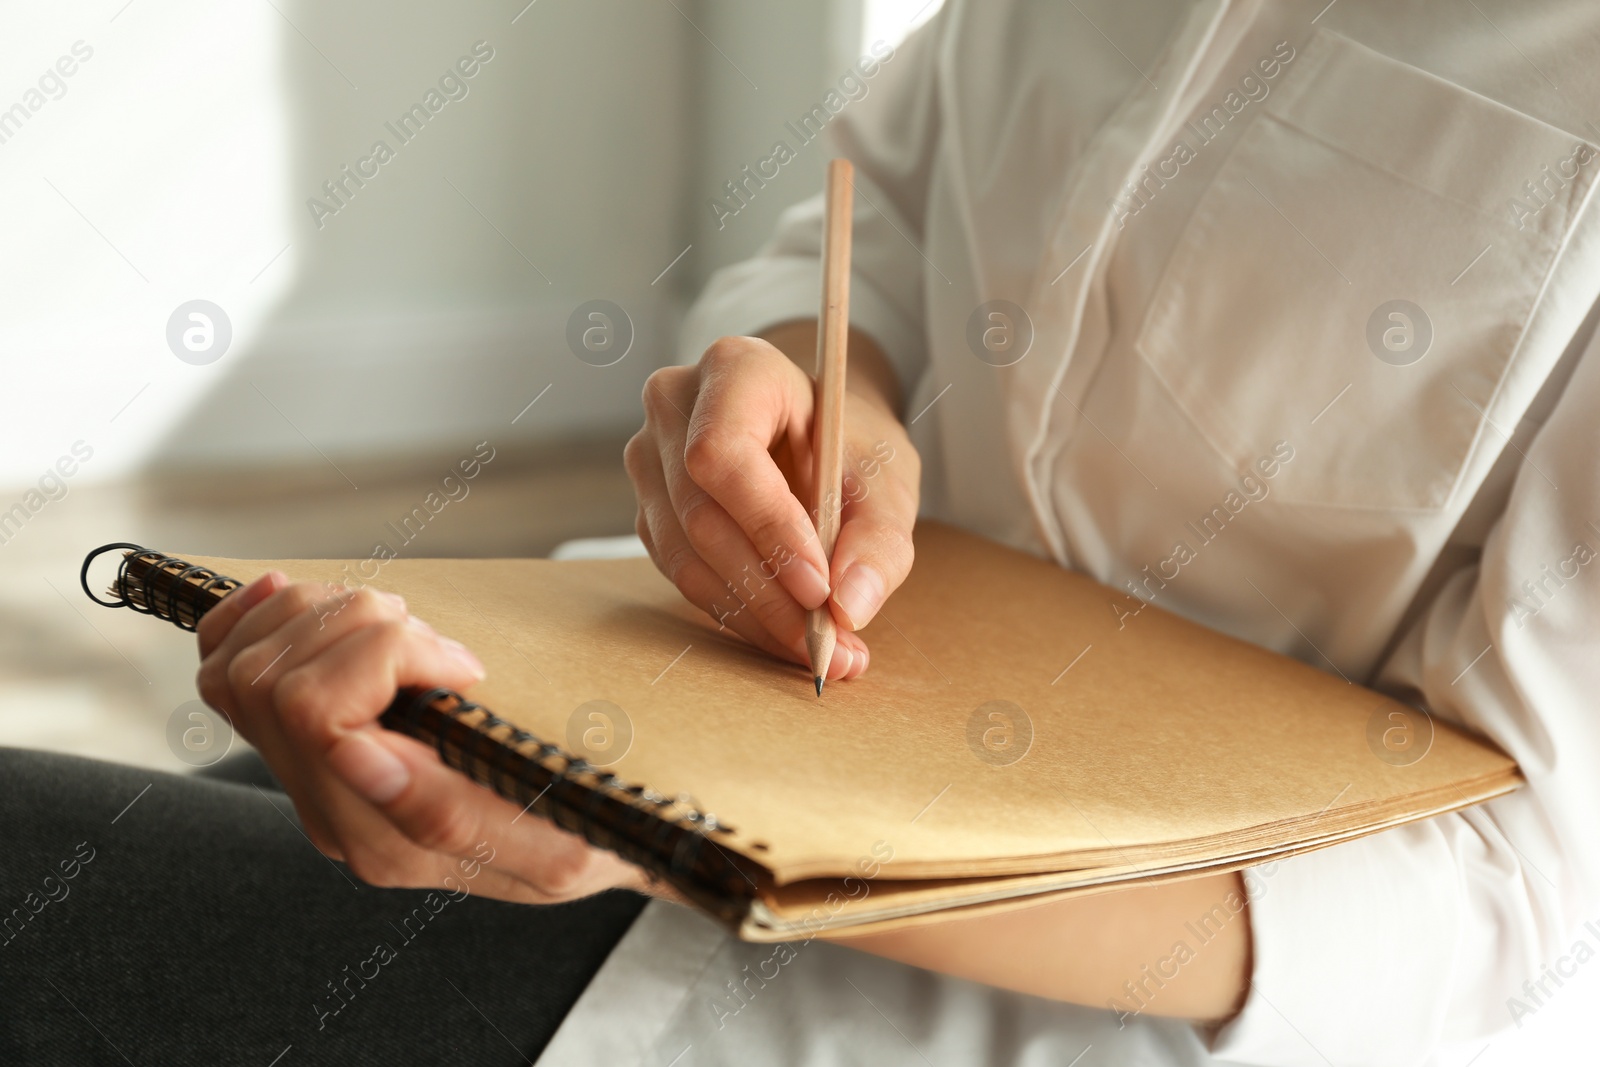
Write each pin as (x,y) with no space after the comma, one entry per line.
(1381,950)
(890,134)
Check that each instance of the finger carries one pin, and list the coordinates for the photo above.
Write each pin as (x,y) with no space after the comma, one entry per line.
(216,623)
(751,578)
(261,619)
(342,792)
(307,634)
(753,581)
(675,557)
(355,831)
(356,679)
(292,777)
(439,810)
(751,397)
(751,593)
(874,552)
(227,675)
(350,683)
(667,395)
(249,692)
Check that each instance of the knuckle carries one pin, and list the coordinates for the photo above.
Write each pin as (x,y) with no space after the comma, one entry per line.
(633,454)
(390,634)
(298,698)
(301,596)
(641,527)
(358,607)
(702,523)
(894,548)
(650,398)
(706,452)
(322,841)
(768,608)
(243,669)
(658,390)
(447,828)
(375,869)
(564,871)
(775,530)
(206,631)
(654,517)
(211,682)
(366,604)
(678,564)
(724,352)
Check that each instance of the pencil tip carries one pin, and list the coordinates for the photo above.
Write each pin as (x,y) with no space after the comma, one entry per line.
(818,680)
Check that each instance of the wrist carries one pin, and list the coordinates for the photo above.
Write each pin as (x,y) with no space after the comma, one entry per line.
(882,397)
(869,376)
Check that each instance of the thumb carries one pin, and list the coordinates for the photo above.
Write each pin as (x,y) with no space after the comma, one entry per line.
(872,556)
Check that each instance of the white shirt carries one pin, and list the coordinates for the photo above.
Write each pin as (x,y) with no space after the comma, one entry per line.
(1208,211)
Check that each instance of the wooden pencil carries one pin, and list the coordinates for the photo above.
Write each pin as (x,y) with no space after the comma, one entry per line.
(827,439)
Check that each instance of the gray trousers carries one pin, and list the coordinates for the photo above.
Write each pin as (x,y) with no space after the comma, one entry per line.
(148,918)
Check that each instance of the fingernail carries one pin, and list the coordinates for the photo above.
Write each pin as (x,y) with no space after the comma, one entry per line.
(369,768)
(394,598)
(809,585)
(463,655)
(860,595)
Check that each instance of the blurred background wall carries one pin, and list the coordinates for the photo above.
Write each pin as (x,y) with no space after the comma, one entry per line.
(179,158)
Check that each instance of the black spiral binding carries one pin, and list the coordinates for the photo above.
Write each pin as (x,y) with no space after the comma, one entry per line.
(134,588)
(670,837)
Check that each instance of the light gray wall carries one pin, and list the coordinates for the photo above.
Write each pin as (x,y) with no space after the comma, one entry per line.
(785,50)
(588,148)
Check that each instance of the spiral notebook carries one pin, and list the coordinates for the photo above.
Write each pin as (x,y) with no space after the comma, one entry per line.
(1018,737)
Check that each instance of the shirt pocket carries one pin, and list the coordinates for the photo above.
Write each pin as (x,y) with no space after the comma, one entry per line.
(1357,277)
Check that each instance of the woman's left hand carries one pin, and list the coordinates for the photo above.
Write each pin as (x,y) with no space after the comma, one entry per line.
(303,670)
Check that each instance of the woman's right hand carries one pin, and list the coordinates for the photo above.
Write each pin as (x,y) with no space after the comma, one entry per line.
(722,470)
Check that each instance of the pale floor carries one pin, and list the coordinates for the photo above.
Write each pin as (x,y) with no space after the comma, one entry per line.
(79,678)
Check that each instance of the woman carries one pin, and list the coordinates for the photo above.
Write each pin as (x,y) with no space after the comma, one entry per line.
(1278,319)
